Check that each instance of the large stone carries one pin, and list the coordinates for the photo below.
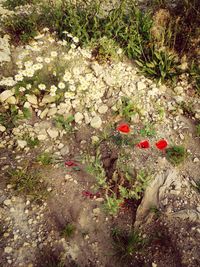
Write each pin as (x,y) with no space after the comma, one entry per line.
(103,109)
(5,95)
(96,122)
(2,128)
(11,100)
(32,99)
(21,143)
(141,86)
(78,117)
(44,113)
(53,133)
(48,99)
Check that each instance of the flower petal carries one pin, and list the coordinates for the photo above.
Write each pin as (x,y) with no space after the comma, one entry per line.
(123,128)
(144,144)
(161,144)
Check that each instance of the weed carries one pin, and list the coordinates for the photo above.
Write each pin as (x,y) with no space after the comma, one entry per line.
(45,158)
(95,168)
(176,154)
(22,27)
(155,210)
(69,230)
(31,141)
(10,118)
(127,244)
(64,123)
(11,4)
(148,131)
(127,109)
(112,204)
(198,130)
(28,182)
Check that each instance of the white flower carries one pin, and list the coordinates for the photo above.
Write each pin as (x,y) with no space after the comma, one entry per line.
(47,60)
(39,59)
(22,89)
(69,35)
(73,46)
(67,76)
(42,86)
(76,40)
(29,73)
(65,32)
(53,89)
(72,87)
(8,81)
(45,29)
(28,86)
(61,85)
(69,95)
(28,64)
(119,51)
(18,77)
(54,54)
(37,66)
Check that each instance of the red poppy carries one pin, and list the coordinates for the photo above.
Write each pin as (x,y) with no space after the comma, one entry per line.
(161,144)
(123,128)
(144,144)
(70,163)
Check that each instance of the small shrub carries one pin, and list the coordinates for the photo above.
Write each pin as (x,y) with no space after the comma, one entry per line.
(64,123)
(112,204)
(69,230)
(148,131)
(28,182)
(176,154)
(127,244)
(45,158)
(31,141)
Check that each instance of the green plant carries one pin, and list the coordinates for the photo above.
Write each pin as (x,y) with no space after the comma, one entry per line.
(148,131)
(45,158)
(135,187)
(95,168)
(198,130)
(64,123)
(126,244)
(127,109)
(31,141)
(21,27)
(11,4)
(28,182)
(176,154)
(112,204)
(159,64)
(10,118)
(68,230)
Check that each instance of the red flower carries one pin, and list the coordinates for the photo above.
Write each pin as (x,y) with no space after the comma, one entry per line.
(144,144)
(123,128)
(70,163)
(161,144)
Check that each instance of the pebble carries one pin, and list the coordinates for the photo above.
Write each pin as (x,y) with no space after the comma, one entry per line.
(78,117)
(96,122)
(53,133)
(141,86)
(196,160)
(103,109)
(8,250)
(5,95)
(2,128)
(21,143)
(7,202)
(32,99)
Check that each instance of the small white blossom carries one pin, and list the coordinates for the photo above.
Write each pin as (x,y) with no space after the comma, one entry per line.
(76,40)
(61,85)
(53,88)
(39,59)
(54,54)
(22,89)
(73,46)
(28,86)
(42,86)
(18,77)
(47,60)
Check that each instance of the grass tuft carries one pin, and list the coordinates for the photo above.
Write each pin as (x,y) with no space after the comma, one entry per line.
(176,154)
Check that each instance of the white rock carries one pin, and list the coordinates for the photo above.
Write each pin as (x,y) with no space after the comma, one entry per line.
(42,137)
(21,143)
(44,113)
(8,250)
(2,128)
(196,160)
(11,100)
(103,109)
(53,133)
(96,122)
(27,105)
(141,85)
(7,202)
(64,151)
(32,99)
(178,90)
(52,111)
(78,117)
(5,95)
(48,99)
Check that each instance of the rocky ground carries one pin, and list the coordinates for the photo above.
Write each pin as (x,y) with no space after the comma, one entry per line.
(58,104)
